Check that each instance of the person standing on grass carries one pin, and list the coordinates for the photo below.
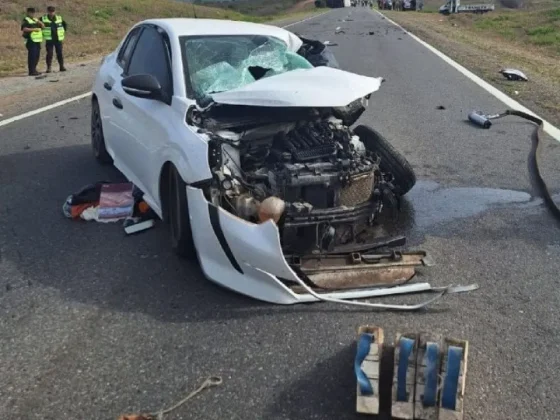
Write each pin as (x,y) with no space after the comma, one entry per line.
(54,31)
(31,30)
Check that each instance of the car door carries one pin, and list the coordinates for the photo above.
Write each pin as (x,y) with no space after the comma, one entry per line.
(111,77)
(144,122)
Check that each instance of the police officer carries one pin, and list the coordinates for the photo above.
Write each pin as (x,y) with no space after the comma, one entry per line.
(53,33)
(31,30)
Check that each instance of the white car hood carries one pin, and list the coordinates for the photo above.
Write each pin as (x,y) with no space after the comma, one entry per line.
(315,87)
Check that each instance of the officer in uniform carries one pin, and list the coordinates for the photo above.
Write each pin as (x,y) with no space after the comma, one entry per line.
(31,30)
(53,33)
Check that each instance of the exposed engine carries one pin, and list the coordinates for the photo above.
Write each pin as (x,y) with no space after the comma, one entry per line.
(314,178)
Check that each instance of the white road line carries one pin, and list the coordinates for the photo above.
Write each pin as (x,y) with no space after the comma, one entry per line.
(85,95)
(305,20)
(553,131)
(45,108)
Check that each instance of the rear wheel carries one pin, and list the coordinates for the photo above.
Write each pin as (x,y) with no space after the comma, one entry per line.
(97,137)
(391,160)
(178,216)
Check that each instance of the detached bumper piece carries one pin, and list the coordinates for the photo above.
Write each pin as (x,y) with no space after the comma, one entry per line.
(357,269)
(428,376)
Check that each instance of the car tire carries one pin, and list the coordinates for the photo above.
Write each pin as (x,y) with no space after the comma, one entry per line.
(391,160)
(97,137)
(182,241)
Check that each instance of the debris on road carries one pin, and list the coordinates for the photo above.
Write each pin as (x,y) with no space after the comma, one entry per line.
(212,381)
(111,202)
(330,43)
(514,74)
(424,374)
(339,30)
(136,224)
(485,121)
(26,147)
(440,107)
(371,33)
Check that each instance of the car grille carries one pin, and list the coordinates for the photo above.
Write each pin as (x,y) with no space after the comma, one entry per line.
(358,190)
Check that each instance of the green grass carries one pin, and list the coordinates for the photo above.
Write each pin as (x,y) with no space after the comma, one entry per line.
(96,26)
(540,27)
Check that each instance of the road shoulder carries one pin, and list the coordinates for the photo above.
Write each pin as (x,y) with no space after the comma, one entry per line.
(21,93)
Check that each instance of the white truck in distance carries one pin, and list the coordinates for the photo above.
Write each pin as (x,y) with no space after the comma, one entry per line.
(454,6)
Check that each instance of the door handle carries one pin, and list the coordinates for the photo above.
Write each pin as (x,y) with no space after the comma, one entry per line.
(117,103)
(107,86)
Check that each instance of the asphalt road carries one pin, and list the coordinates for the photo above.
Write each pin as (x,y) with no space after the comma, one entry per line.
(94,324)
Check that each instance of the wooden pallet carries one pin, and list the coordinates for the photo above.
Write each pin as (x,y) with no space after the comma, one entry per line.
(404,376)
(453,372)
(427,384)
(371,336)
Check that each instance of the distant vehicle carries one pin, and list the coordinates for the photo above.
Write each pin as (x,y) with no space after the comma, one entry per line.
(454,6)
(385,4)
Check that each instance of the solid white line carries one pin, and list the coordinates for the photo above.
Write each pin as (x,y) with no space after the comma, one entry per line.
(46,108)
(305,20)
(553,131)
(85,95)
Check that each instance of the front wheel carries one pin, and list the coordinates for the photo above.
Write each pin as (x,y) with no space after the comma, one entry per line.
(391,160)
(97,136)
(178,212)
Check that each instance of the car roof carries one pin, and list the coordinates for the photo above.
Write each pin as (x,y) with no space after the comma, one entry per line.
(192,27)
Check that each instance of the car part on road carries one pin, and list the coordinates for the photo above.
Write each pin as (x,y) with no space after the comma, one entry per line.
(210,382)
(514,74)
(485,121)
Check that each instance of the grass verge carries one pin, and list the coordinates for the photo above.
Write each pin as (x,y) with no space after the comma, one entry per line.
(527,39)
(95,27)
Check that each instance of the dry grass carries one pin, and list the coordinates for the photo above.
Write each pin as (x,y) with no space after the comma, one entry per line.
(95,26)
(527,39)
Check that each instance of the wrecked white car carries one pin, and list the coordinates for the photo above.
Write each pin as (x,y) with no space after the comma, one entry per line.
(239,136)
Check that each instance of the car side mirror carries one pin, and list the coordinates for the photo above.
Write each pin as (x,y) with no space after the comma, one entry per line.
(143,86)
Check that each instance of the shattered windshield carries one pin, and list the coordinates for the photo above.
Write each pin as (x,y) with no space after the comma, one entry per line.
(225,62)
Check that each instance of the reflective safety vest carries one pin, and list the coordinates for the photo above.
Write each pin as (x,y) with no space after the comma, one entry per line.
(35,36)
(47,34)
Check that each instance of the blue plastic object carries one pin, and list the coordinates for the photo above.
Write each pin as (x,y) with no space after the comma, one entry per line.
(406,346)
(451,380)
(430,374)
(364,344)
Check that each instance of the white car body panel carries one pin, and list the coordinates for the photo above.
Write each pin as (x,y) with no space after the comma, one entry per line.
(257,250)
(303,88)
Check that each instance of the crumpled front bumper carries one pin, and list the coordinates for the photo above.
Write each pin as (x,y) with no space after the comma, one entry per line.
(247,258)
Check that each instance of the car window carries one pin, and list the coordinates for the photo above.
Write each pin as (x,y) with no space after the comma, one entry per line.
(220,63)
(151,57)
(127,47)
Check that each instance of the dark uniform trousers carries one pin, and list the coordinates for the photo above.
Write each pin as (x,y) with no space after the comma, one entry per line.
(33,55)
(57,46)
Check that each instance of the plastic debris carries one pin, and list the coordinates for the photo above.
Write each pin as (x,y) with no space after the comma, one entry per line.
(514,74)
(330,43)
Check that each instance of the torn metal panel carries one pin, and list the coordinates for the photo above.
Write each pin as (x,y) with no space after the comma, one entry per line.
(302,88)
